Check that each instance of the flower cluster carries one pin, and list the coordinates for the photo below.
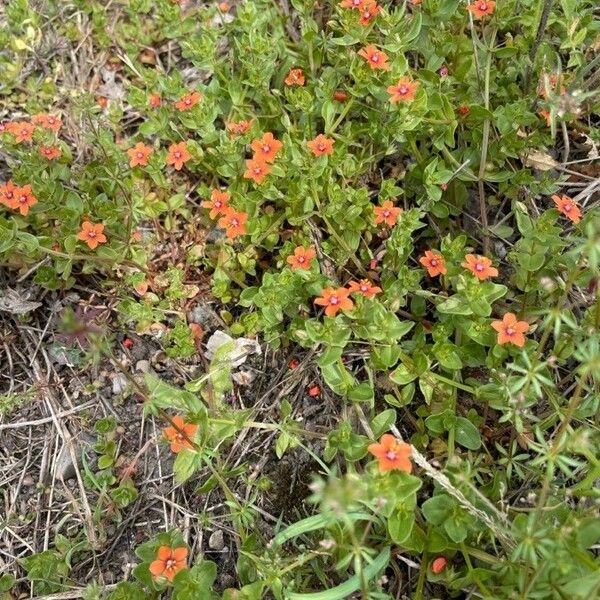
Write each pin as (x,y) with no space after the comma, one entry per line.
(233,221)
(336,299)
(16,197)
(23,131)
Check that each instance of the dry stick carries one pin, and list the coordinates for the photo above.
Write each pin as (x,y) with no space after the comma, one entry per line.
(68,441)
(484,148)
(538,39)
(59,415)
(72,594)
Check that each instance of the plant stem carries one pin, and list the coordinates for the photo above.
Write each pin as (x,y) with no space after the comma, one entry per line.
(538,39)
(485,140)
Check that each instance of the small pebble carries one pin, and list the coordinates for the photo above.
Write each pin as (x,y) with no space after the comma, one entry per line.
(216,540)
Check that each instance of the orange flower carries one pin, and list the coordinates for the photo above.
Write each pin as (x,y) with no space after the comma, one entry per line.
(102,101)
(416,2)
(545,114)
(463,109)
(92,234)
(47,121)
(256,170)
(180,434)
(368,11)
(239,128)
(403,91)
(217,203)
(392,454)
(568,207)
(139,155)
(50,152)
(480,8)
(23,199)
(480,266)
(340,95)
(321,145)
(549,84)
(354,4)
(365,288)
(22,130)
(266,148)
(387,213)
(188,101)
(434,263)
(510,331)
(7,194)
(169,561)
(302,258)
(5,127)
(295,77)
(376,58)
(224,7)
(178,155)
(233,222)
(154,100)
(335,300)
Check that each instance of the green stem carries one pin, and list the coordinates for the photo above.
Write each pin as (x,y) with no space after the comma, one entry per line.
(341,116)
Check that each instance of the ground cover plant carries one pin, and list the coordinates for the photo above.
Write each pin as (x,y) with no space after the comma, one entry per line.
(299,299)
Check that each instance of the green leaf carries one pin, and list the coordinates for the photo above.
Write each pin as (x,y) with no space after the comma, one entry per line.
(282,444)
(437,509)
(314,523)
(586,587)
(400,524)
(350,586)
(125,494)
(455,305)
(6,582)
(363,392)
(105,462)
(382,422)
(127,591)
(466,434)
(186,464)
(167,396)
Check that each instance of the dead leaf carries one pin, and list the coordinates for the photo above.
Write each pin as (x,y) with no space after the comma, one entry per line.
(12,302)
(539,160)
